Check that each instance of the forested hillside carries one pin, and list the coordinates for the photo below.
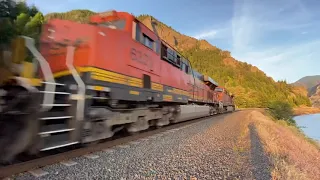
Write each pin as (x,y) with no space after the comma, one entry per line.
(81,16)
(252,88)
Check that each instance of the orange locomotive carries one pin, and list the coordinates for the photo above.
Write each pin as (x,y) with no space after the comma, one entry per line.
(114,73)
(224,98)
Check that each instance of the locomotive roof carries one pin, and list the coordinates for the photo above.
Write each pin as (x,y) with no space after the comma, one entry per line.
(212,81)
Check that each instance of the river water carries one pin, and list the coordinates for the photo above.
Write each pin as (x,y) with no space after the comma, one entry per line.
(310,124)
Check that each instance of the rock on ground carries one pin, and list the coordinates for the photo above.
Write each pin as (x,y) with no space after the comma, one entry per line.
(215,148)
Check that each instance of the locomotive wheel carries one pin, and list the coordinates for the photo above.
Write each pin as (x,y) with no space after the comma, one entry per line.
(18,125)
(140,125)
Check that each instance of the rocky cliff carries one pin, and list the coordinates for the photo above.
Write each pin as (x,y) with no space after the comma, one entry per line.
(314,94)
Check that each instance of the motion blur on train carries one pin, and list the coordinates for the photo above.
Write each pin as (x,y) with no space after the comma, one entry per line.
(88,81)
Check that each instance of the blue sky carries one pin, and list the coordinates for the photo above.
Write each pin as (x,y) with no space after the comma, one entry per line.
(280,37)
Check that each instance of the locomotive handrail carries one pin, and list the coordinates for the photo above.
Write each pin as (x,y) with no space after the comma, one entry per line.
(81,85)
(47,73)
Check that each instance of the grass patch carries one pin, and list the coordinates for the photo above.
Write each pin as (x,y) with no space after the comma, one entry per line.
(284,170)
(293,155)
(283,113)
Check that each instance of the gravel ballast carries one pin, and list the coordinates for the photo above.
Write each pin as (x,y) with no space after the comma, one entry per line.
(203,150)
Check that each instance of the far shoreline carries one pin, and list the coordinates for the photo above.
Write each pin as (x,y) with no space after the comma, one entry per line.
(305,111)
(298,111)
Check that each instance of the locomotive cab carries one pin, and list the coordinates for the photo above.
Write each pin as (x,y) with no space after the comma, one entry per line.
(225,99)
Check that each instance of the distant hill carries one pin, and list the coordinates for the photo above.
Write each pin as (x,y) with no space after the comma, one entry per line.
(308,81)
(251,86)
(312,84)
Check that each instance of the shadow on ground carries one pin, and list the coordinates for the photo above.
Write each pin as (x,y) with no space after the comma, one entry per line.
(260,160)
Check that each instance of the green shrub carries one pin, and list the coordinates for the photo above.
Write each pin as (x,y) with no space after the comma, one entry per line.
(281,110)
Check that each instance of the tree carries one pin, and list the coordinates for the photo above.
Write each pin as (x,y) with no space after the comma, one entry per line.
(7,16)
(22,7)
(21,22)
(33,10)
(281,110)
(7,31)
(18,19)
(33,27)
(7,9)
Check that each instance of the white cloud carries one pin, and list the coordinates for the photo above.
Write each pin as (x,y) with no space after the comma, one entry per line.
(251,20)
(289,63)
(255,31)
(281,59)
(208,34)
(219,31)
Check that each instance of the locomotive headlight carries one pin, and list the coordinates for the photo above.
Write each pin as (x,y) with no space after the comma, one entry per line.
(51,33)
(102,33)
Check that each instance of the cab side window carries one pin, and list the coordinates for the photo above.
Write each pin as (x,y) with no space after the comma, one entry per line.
(141,37)
(186,68)
(164,52)
(178,61)
(147,41)
(136,31)
(170,55)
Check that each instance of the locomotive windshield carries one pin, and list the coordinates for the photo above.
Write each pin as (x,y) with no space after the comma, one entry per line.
(113,24)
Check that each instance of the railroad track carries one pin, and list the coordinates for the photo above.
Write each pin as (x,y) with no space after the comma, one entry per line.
(30,164)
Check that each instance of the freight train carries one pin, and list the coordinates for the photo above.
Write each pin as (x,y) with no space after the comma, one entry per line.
(88,81)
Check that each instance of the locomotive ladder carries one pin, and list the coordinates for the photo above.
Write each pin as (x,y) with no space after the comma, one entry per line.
(60,113)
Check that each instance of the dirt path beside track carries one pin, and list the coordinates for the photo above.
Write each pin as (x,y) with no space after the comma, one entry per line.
(222,147)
